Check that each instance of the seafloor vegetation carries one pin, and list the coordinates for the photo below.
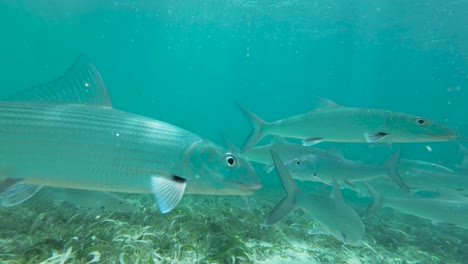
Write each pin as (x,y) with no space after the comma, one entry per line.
(212,229)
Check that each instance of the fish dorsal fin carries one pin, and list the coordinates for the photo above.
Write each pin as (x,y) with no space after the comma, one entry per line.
(228,143)
(81,84)
(335,151)
(320,103)
(277,140)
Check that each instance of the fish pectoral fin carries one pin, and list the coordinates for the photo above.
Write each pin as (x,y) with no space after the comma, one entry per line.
(18,193)
(168,191)
(311,141)
(375,137)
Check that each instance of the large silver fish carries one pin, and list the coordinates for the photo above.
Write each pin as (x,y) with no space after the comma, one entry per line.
(66,134)
(334,215)
(335,123)
(439,211)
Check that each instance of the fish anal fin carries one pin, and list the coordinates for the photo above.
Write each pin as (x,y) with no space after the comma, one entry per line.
(350,184)
(317,231)
(81,84)
(168,191)
(311,141)
(18,193)
(439,223)
(269,168)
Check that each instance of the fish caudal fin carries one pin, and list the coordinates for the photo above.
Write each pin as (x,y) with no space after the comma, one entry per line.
(168,191)
(377,199)
(257,124)
(392,166)
(292,191)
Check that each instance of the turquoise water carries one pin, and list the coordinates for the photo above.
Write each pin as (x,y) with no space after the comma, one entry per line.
(187,62)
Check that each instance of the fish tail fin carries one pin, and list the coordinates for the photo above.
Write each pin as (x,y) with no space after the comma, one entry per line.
(377,199)
(257,124)
(292,191)
(392,166)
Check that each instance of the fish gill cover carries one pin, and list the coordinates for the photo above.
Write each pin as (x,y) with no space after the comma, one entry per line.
(187,63)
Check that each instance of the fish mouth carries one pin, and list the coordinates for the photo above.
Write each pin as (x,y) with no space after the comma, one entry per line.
(446,136)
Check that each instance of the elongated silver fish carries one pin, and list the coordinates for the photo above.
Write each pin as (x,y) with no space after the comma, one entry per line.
(286,151)
(66,134)
(334,215)
(313,164)
(335,123)
(328,167)
(439,211)
(425,176)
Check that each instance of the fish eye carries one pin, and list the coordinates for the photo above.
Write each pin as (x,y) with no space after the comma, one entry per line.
(421,121)
(231,161)
(298,162)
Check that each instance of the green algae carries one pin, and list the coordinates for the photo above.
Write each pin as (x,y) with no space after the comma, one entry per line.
(210,229)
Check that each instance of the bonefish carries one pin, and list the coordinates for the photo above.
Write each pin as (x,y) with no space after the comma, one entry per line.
(336,123)
(66,134)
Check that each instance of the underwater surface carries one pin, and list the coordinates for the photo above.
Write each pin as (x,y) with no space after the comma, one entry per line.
(188,63)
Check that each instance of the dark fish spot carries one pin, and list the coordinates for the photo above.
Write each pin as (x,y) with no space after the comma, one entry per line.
(178,179)
(381,134)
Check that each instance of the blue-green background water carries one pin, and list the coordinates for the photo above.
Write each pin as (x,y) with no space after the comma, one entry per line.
(187,62)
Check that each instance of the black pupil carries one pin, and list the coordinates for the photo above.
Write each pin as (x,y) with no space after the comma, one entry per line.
(230,161)
(298,162)
(420,121)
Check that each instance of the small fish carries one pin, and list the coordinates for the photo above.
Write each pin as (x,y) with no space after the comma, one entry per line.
(334,215)
(328,167)
(449,212)
(334,123)
(66,134)
(422,175)
(313,164)
(286,151)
